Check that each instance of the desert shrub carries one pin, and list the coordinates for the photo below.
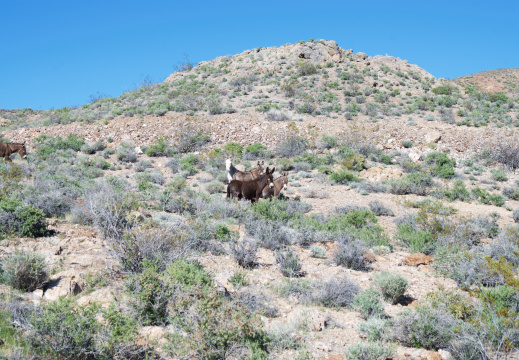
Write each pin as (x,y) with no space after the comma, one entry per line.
(317,252)
(419,241)
(414,183)
(498,175)
(506,152)
(160,148)
(26,221)
(343,176)
(254,151)
(407,143)
(149,295)
(216,325)
(284,164)
(515,215)
(369,351)
(245,253)
(108,152)
(142,165)
(336,293)
(352,159)
(126,152)
(306,68)
(257,302)
(278,115)
(92,148)
(292,146)
(233,149)
(485,197)
(392,286)
(24,271)
(443,90)
(63,330)
(369,303)
(378,209)
(173,165)
(375,328)
(327,142)
(424,328)
(457,192)
(269,234)
(511,193)
(441,165)
(214,187)
(452,302)
(281,210)
(351,255)
(189,139)
(47,145)
(288,262)
(188,273)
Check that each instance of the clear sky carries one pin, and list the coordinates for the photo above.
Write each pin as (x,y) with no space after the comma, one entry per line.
(58,53)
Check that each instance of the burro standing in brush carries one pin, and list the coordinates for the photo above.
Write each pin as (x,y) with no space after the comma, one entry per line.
(251,189)
(281,183)
(7,149)
(235,174)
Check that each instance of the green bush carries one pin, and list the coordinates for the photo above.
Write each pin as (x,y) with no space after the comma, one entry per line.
(254,151)
(160,148)
(498,175)
(369,351)
(441,165)
(234,149)
(343,176)
(375,328)
(424,327)
(288,263)
(407,144)
(417,240)
(26,221)
(392,286)
(215,324)
(415,183)
(65,331)
(24,271)
(149,295)
(369,303)
(457,192)
(47,145)
(188,273)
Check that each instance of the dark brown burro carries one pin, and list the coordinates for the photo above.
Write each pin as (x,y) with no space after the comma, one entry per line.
(7,149)
(251,189)
(281,183)
(235,174)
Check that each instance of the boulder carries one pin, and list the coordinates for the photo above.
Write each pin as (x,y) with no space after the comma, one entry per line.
(432,137)
(417,259)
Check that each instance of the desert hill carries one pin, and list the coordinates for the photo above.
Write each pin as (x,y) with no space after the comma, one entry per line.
(493,81)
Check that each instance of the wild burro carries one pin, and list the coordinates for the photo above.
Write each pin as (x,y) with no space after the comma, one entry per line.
(251,189)
(235,174)
(281,183)
(7,149)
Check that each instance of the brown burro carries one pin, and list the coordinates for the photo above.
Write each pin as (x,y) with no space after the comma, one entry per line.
(235,174)
(7,149)
(281,183)
(250,189)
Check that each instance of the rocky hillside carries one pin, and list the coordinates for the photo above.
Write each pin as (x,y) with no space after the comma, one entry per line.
(396,237)
(493,81)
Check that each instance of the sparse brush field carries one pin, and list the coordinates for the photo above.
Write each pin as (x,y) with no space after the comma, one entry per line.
(401,249)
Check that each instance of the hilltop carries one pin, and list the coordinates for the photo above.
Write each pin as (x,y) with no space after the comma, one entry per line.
(493,81)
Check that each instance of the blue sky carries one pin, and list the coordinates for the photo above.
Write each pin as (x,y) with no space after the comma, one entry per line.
(58,53)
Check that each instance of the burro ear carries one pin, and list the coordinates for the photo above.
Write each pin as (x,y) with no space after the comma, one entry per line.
(272,171)
(267,170)
(263,162)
